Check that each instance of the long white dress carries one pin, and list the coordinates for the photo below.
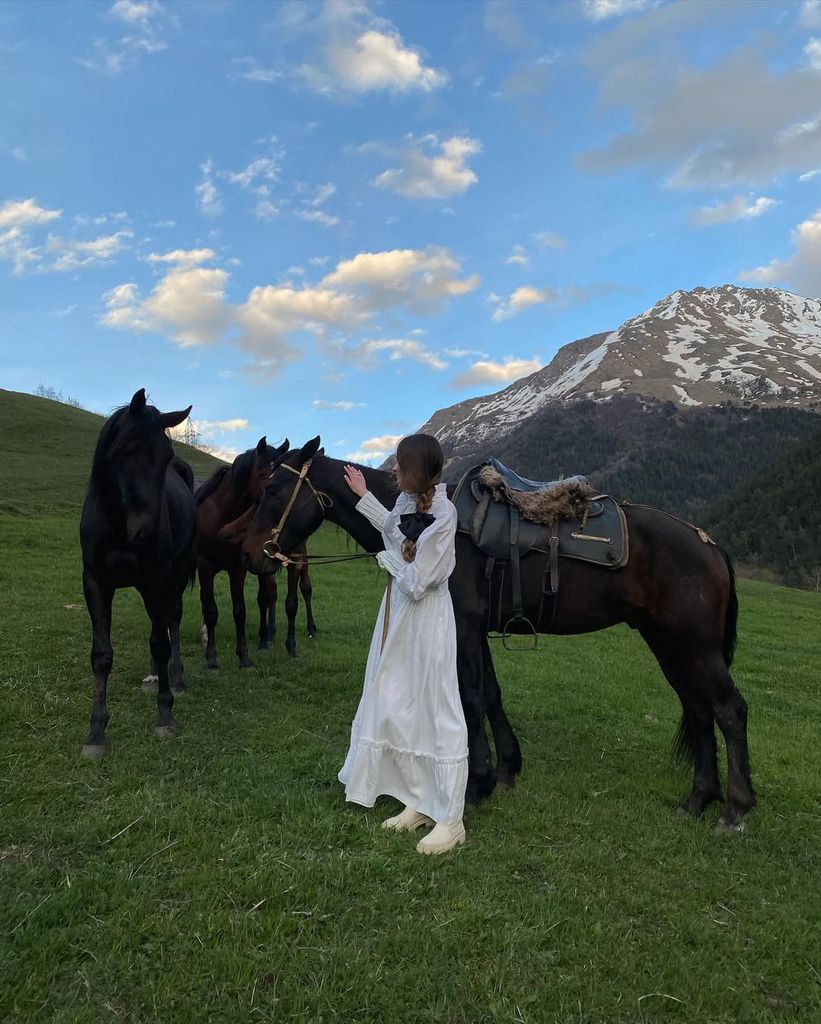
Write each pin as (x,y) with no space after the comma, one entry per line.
(409,739)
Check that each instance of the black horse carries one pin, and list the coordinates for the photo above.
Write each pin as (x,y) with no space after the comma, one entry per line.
(137,530)
(677,591)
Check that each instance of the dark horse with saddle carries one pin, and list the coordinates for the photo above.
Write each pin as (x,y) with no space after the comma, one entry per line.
(539,557)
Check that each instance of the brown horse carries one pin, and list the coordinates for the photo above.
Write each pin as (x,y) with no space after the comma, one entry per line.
(678,592)
(228,495)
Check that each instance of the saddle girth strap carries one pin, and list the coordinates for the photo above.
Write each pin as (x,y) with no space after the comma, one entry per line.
(515,567)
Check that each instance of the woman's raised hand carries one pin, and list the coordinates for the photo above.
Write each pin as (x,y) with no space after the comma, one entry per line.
(355,480)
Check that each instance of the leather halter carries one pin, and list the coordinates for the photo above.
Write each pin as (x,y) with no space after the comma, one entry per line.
(321,497)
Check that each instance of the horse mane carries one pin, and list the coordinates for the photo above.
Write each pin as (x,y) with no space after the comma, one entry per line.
(108,434)
(239,472)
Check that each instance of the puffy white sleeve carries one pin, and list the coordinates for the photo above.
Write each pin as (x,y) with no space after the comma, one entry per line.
(435,557)
(373,510)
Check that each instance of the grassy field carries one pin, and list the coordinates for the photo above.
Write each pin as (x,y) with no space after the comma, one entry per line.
(221,877)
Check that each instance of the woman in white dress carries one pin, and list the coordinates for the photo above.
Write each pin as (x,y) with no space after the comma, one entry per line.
(409,739)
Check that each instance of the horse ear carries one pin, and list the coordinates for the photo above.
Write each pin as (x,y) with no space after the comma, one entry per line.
(321,451)
(310,448)
(279,453)
(137,403)
(173,419)
(262,446)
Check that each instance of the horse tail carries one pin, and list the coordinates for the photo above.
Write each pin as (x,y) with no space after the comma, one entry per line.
(684,745)
(731,618)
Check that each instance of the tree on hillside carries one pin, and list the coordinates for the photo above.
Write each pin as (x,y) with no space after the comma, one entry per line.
(47,391)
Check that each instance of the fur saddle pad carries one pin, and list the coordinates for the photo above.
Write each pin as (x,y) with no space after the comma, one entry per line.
(591,527)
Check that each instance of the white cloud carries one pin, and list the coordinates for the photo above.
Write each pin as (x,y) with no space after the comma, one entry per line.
(145,23)
(75,254)
(489,372)
(182,257)
(599,10)
(550,240)
(518,257)
(810,174)
(207,193)
(25,213)
(440,175)
(134,11)
(187,304)
(15,249)
(373,61)
(462,353)
(802,269)
(319,403)
(65,311)
(272,314)
(327,220)
(739,208)
(266,210)
(375,448)
(415,278)
(402,348)
(812,51)
(257,173)
(250,70)
(522,298)
(19,154)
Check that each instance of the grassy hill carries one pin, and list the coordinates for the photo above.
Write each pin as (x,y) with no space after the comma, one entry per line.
(220,877)
(45,454)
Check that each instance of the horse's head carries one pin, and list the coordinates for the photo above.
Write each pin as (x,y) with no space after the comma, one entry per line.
(289,511)
(136,452)
(266,459)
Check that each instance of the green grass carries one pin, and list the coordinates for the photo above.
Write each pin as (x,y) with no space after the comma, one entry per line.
(221,877)
(45,454)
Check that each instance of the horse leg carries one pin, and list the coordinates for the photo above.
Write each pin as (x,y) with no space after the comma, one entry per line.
(98,601)
(481,780)
(696,737)
(266,622)
(210,613)
(291,608)
(508,752)
(176,671)
(730,710)
(307,591)
(161,615)
(237,578)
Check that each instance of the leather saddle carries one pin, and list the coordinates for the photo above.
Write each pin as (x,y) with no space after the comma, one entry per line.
(495,524)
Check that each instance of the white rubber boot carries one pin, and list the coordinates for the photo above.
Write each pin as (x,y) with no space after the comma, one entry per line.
(444,837)
(408,821)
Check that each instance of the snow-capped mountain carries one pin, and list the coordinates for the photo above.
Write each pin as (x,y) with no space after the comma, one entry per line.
(696,348)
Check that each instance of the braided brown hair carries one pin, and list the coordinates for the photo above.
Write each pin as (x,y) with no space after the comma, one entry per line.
(419,462)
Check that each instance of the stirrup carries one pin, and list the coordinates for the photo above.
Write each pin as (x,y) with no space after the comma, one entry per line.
(506,634)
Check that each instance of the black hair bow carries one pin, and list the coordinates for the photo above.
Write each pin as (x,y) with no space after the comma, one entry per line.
(412,524)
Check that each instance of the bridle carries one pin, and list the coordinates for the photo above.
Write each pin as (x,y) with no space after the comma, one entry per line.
(271,547)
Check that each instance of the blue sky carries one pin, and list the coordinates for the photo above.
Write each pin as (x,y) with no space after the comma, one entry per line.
(336,218)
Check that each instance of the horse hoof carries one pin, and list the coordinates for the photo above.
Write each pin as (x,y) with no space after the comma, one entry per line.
(150,684)
(263,645)
(730,828)
(504,783)
(246,663)
(165,732)
(212,667)
(179,691)
(93,751)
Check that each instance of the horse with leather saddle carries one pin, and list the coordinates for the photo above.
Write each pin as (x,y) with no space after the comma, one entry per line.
(509,517)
